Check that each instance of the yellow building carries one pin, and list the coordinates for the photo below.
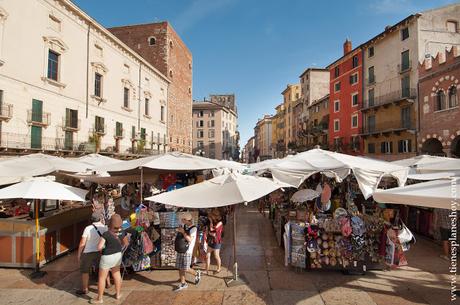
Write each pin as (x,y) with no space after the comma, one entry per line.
(318,123)
(278,145)
(290,97)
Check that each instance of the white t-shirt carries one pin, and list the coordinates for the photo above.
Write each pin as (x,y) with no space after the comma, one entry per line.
(192,242)
(92,237)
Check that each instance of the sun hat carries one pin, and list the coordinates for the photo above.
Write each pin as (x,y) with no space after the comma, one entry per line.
(187,216)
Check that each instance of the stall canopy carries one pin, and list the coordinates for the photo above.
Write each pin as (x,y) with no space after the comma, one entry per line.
(442,194)
(426,164)
(221,191)
(95,160)
(168,162)
(368,172)
(16,169)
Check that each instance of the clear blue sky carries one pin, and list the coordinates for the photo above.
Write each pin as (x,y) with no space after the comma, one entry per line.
(253,48)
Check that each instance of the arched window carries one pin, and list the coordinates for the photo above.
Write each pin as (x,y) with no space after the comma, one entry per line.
(152,41)
(440,100)
(453,100)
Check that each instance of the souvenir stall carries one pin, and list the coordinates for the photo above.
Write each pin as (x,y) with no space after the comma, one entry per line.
(331,222)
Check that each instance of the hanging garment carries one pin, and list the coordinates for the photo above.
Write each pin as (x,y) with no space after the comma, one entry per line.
(326,194)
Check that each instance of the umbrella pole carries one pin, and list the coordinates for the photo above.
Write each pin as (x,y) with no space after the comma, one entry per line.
(142,184)
(236,279)
(37,273)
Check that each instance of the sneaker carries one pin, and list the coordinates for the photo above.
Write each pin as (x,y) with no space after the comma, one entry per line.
(181,286)
(198,277)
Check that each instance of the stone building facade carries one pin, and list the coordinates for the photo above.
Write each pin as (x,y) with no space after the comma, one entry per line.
(439,85)
(263,138)
(162,47)
(318,123)
(69,86)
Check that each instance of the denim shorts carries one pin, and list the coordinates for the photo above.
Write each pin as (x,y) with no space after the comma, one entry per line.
(215,246)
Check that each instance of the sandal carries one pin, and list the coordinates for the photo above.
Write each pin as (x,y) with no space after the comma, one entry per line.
(217,271)
(81,292)
(96,301)
(118,297)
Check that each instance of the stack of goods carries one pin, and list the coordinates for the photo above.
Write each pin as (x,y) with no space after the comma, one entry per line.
(169,220)
(298,252)
(168,253)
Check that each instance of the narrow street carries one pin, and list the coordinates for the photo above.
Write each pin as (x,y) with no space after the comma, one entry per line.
(261,261)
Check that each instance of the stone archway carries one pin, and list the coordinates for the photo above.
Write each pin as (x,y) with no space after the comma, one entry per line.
(432,147)
(455,147)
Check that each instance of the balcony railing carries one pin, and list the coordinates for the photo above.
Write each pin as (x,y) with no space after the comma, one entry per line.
(70,125)
(40,119)
(99,129)
(392,97)
(119,133)
(23,141)
(6,112)
(402,68)
(387,127)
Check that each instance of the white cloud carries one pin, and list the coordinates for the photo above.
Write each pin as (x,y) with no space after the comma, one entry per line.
(198,10)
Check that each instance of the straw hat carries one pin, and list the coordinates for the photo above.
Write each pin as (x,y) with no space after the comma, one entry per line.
(187,216)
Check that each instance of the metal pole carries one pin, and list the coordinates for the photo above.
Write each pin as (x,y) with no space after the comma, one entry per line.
(235,264)
(142,184)
(37,238)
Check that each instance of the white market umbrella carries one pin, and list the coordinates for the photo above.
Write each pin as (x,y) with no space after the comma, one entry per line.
(368,172)
(41,188)
(228,189)
(305,195)
(426,164)
(442,194)
(421,160)
(38,165)
(95,160)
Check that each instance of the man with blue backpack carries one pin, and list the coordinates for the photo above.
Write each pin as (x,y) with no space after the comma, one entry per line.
(184,245)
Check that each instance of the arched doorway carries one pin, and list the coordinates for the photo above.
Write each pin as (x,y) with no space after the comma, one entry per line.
(432,147)
(455,147)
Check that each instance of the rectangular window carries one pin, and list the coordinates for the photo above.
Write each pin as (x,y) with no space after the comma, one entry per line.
(211,133)
(336,106)
(211,123)
(99,124)
(337,87)
(405,62)
(133,132)
(370,52)
(370,74)
(53,65)
(200,113)
(200,144)
(162,113)
(143,134)
(353,78)
(200,134)
(405,117)
(200,123)
(371,123)
(405,86)
(147,106)
(336,125)
(98,85)
(386,147)
(212,113)
(354,100)
(355,61)
(71,118)
(354,121)
(370,95)
(126,97)
(404,146)
(404,33)
(118,129)
(336,71)
(371,148)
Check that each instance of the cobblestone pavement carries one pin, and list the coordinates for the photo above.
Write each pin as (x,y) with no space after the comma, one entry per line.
(261,261)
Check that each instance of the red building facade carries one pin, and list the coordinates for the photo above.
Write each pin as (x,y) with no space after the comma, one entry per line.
(345,101)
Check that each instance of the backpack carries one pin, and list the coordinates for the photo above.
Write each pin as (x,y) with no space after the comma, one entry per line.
(180,243)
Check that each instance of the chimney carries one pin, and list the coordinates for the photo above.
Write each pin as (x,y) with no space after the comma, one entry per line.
(347,47)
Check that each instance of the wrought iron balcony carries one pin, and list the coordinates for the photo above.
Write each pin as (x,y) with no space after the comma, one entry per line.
(6,112)
(406,94)
(99,129)
(70,125)
(387,128)
(38,119)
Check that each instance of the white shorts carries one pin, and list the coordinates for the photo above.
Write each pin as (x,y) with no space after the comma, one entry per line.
(110,261)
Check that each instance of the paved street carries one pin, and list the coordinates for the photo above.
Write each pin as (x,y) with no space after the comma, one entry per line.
(424,281)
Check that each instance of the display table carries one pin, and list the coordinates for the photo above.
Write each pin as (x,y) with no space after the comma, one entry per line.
(60,232)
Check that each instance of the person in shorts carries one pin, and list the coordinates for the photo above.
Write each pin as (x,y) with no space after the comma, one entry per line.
(87,254)
(214,240)
(184,260)
(111,244)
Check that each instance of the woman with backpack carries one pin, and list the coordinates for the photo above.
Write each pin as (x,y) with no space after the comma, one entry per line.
(111,245)
(214,240)
(184,245)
